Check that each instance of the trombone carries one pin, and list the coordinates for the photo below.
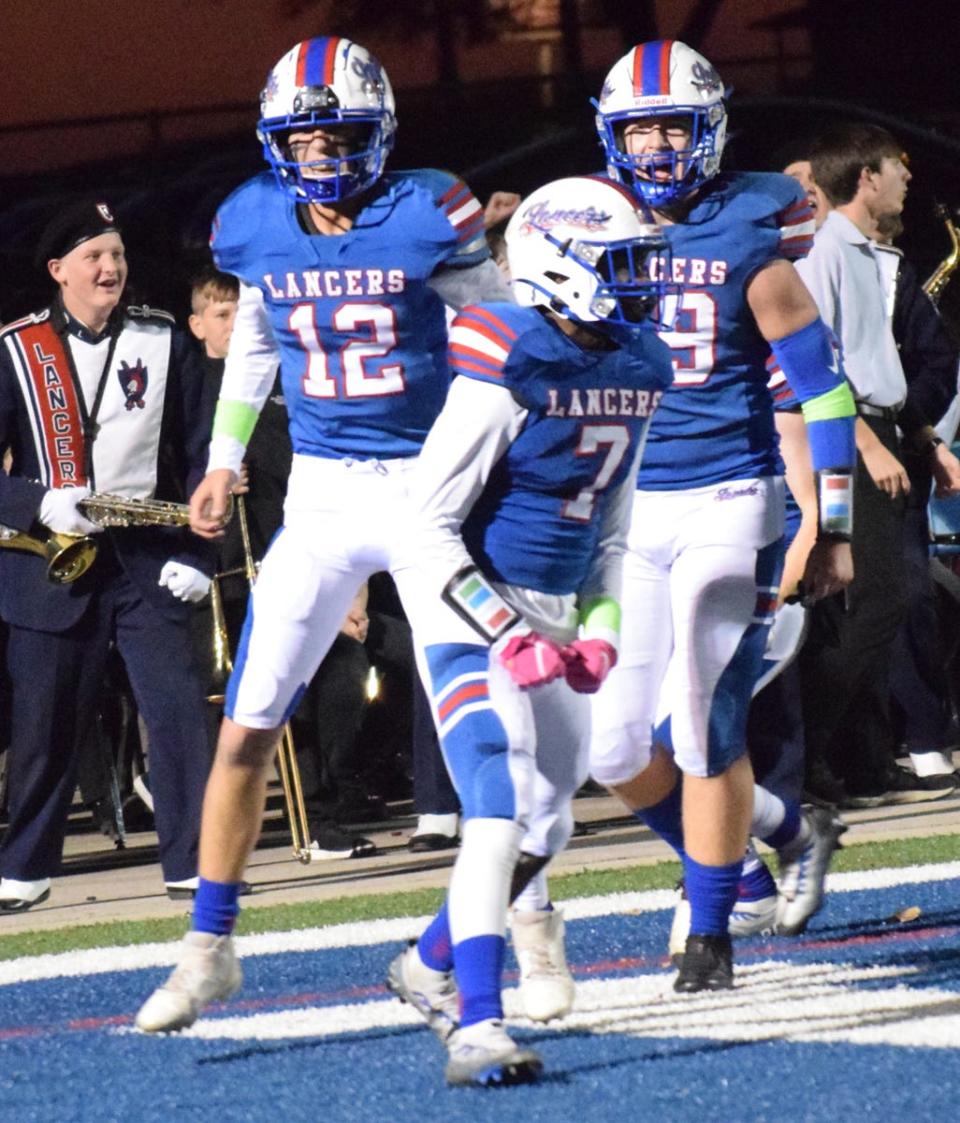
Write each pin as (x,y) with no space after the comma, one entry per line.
(287,765)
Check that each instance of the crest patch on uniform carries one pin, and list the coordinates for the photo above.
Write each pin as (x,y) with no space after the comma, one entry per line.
(133,380)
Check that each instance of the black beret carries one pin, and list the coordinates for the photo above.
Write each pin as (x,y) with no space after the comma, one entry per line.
(74,224)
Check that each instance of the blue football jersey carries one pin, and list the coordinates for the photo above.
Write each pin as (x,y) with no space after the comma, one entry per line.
(539,518)
(715,423)
(361,335)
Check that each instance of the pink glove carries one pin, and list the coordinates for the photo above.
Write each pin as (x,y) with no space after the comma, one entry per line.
(532,660)
(588,661)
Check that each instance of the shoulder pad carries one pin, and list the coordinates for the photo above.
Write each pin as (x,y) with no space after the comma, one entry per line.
(145,312)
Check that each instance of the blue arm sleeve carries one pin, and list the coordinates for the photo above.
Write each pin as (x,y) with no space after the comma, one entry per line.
(812,367)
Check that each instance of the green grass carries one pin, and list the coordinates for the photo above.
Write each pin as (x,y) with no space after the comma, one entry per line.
(272,918)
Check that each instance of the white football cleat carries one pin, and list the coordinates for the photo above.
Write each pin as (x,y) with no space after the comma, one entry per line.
(484,1053)
(803,870)
(207,971)
(546,985)
(431,993)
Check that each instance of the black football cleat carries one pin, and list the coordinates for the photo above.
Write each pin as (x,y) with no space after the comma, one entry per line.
(707,964)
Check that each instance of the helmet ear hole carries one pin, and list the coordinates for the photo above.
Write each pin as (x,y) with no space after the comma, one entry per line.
(557,278)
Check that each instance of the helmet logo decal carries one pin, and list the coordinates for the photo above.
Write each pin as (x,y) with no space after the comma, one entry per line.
(705,79)
(369,71)
(542,217)
(271,89)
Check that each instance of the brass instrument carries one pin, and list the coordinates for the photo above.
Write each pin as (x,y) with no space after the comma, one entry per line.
(68,556)
(287,764)
(934,285)
(115,510)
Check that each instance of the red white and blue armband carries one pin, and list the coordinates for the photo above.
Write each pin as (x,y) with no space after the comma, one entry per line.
(812,366)
(835,500)
(475,600)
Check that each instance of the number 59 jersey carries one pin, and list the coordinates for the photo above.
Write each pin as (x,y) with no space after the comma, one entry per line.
(537,516)
(361,335)
(715,423)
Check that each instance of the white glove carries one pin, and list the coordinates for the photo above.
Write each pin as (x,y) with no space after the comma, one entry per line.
(58,511)
(185,582)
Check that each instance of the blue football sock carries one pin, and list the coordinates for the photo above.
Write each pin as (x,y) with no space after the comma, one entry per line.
(665,818)
(479,969)
(788,829)
(216,906)
(712,891)
(435,945)
(756,884)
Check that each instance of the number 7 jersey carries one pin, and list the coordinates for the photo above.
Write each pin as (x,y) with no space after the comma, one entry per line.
(715,423)
(359,333)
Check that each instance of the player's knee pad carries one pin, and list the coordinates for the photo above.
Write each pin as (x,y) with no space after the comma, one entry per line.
(475,743)
(617,755)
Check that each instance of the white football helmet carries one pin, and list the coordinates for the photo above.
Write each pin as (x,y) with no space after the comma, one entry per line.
(664,78)
(581,247)
(333,82)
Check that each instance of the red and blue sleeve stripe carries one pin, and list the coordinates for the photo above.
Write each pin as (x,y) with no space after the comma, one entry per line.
(480,343)
(463,210)
(796,229)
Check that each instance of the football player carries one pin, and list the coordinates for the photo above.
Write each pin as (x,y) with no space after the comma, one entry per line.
(525,486)
(344,272)
(705,551)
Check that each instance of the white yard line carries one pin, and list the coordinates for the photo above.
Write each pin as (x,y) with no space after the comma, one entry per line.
(820,1002)
(95,961)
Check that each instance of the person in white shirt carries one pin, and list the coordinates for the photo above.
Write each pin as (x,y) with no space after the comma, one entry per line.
(845,663)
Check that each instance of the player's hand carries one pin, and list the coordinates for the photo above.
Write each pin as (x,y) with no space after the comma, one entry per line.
(58,511)
(500,205)
(184,581)
(886,471)
(588,661)
(946,471)
(356,625)
(208,504)
(829,570)
(242,486)
(532,660)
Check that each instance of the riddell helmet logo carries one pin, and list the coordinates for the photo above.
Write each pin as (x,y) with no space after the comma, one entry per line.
(541,216)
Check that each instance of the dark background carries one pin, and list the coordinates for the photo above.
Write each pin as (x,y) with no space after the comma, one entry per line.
(792,69)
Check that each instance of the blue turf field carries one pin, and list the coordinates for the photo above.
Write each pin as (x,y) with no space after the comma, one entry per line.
(860,1016)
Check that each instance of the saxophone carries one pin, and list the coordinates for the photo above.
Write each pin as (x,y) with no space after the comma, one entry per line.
(69,556)
(934,285)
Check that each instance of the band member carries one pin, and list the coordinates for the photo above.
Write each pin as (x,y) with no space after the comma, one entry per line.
(98,396)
